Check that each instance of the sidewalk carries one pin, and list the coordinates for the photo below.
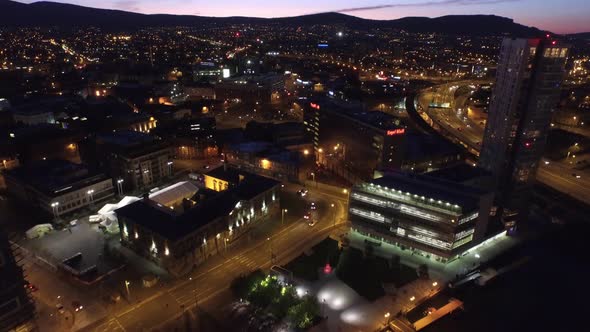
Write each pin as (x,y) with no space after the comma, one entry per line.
(440,271)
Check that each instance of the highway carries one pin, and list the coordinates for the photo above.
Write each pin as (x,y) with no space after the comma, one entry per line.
(457,123)
(215,276)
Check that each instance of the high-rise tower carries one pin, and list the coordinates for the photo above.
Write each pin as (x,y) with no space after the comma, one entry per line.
(527,90)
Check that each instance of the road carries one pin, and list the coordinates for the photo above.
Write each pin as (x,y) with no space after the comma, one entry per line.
(458,124)
(215,276)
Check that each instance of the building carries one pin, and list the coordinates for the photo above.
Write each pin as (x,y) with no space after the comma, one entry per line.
(41,142)
(209,71)
(426,152)
(433,217)
(32,115)
(58,186)
(266,159)
(352,142)
(250,88)
(527,90)
(191,137)
(204,222)
(17,309)
(140,160)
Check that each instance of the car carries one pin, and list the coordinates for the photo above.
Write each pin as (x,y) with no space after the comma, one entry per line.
(93,219)
(313,206)
(77,306)
(302,192)
(307,216)
(312,223)
(60,308)
(31,287)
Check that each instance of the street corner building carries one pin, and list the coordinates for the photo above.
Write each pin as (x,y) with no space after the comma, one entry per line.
(58,186)
(181,226)
(431,216)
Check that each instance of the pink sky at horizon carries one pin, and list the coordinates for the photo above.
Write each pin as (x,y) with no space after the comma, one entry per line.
(559,16)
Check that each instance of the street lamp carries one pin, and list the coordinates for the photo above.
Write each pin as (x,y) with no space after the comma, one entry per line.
(120,186)
(195,291)
(387,315)
(54,207)
(127,283)
(333,213)
(170,167)
(283,211)
(90,192)
(270,245)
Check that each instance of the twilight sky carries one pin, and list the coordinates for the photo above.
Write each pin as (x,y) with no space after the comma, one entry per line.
(560,16)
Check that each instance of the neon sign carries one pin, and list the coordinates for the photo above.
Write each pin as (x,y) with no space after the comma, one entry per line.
(396,132)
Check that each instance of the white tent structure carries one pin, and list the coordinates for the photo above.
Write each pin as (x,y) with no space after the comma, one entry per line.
(107,213)
(174,194)
(38,230)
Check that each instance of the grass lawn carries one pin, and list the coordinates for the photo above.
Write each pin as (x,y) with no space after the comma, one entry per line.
(366,274)
(306,267)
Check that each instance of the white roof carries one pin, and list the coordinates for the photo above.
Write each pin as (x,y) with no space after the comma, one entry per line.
(107,208)
(174,192)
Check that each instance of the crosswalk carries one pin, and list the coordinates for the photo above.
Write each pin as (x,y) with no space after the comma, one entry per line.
(112,325)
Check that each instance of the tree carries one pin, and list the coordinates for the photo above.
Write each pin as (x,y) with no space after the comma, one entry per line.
(265,292)
(287,298)
(243,284)
(304,314)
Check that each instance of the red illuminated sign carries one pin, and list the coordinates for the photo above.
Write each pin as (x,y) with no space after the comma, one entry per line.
(314,105)
(396,132)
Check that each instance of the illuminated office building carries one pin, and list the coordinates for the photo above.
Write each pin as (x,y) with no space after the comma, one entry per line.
(433,217)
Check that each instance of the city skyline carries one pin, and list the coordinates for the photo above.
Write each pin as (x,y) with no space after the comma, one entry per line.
(557,16)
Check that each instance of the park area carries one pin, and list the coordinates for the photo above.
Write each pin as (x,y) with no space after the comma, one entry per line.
(328,284)
(362,271)
(265,302)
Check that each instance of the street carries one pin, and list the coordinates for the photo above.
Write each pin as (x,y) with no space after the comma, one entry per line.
(215,275)
(459,125)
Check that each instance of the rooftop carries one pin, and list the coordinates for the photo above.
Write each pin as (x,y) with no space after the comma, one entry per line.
(356,111)
(55,177)
(174,225)
(131,144)
(448,194)
(459,173)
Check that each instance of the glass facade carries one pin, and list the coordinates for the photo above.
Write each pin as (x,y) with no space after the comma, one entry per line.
(407,218)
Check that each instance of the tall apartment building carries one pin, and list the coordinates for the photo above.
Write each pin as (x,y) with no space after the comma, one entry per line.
(527,89)
(17,310)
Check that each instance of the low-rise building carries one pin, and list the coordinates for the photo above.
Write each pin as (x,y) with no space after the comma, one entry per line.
(58,186)
(176,235)
(138,159)
(250,87)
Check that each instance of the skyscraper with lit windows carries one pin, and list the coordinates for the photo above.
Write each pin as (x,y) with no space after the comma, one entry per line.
(527,89)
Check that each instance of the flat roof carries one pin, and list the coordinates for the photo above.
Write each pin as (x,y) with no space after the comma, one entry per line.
(56,177)
(459,173)
(174,225)
(356,111)
(432,188)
